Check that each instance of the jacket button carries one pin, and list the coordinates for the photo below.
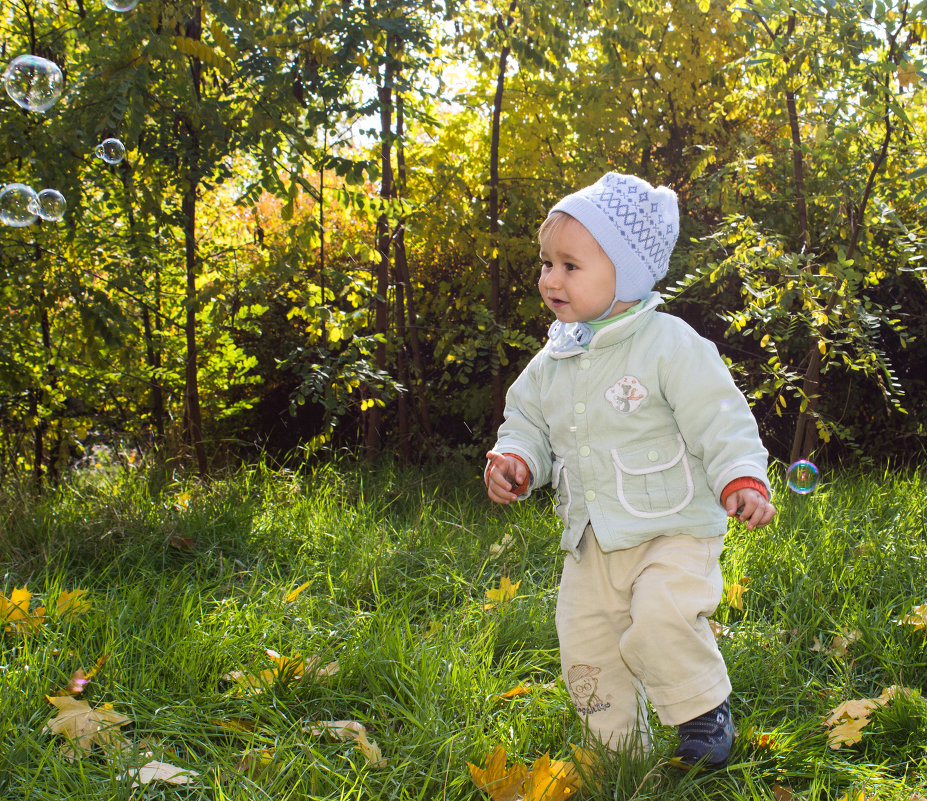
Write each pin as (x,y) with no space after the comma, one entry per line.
(585,450)
(590,495)
(653,456)
(579,408)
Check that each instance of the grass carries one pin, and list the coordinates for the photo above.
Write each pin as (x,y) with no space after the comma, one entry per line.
(187,582)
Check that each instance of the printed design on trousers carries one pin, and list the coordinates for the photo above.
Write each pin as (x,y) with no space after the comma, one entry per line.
(626,394)
(583,684)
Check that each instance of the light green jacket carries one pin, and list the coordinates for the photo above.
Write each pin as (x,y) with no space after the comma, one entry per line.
(638,435)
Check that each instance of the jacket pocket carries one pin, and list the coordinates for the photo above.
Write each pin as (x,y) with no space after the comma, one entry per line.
(655,480)
(561,485)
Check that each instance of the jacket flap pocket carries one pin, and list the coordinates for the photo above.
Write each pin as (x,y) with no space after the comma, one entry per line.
(658,455)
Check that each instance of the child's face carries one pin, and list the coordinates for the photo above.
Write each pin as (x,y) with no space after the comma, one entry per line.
(577,280)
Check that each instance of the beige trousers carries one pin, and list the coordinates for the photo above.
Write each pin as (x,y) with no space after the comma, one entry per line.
(633,626)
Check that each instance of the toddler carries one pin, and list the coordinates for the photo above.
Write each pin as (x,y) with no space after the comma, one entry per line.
(636,423)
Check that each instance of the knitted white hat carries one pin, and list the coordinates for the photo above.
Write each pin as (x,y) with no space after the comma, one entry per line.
(636,225)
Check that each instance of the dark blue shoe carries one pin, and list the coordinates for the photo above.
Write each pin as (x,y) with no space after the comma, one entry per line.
(707,739)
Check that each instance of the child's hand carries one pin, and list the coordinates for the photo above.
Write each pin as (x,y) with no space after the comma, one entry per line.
(751,507)
(507,477)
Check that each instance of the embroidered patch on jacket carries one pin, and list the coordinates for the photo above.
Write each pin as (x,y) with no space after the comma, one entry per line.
(626,394)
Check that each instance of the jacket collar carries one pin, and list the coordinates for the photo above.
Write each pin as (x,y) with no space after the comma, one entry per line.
(611,334)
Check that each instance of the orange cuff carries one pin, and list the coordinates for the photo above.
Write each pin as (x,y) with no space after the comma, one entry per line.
(744,482)
(522,488)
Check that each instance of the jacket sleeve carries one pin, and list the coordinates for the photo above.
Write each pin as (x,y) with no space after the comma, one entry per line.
(712,414)
(524,431)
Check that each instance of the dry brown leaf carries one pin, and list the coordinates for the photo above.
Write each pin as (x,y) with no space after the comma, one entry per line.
(781,793)
(718,629)
(83,727)
(502,546)
(917,618)
(735,596)
(159,771)
(847,732)
(16,616)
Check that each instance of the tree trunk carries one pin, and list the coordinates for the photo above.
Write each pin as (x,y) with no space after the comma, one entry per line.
(381,318)
(494,277)
(192,413)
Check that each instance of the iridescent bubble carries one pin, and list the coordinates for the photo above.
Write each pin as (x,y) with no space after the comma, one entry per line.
(33,82)
(15,205)
(49,204)
(803,477)
(112,151)
(120,5)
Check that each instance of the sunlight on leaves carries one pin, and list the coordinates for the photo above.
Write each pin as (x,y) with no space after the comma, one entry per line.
(84,727)
(502,595)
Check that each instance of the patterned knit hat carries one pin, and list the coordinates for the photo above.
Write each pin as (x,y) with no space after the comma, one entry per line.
(636,225)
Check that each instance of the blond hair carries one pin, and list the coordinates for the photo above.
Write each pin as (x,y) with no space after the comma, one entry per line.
(554,222)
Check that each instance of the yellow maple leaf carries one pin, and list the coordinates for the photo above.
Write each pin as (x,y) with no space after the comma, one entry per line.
(735,596)
(15,614)
(551,780)
(72,603)
(158,771)
(83,727)
(497,781)
(503,595)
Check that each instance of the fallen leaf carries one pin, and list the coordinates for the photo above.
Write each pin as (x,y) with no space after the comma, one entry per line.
(781,793)
(551,780)
(350,730)
(502,546)
(83,727)
(255,762)
(500,783)
(292,595)
(159,771)
(718,629)
(15,614)
(847,732)
(735,596)
(917,618)
(857,708)
(288,669)
(69,604)
(503,595)
(524,689)
(339,729)
(370,750)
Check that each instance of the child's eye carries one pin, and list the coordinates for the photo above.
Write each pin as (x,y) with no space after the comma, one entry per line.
(569,266)
(546,265)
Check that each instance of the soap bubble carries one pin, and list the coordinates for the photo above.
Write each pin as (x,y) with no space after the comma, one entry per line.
(802,477)
(120,5)
(33,82)
(15,205)
(112,151)
(49,204)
